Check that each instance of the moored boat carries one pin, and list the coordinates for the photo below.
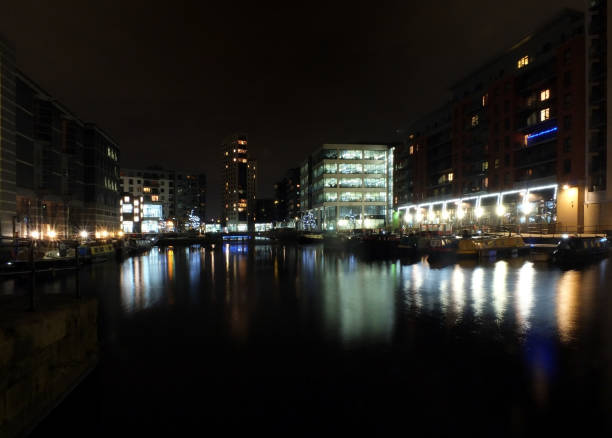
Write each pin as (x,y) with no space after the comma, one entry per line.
(577,251)
(306,238)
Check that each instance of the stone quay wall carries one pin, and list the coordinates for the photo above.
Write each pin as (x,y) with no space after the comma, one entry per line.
(43,355)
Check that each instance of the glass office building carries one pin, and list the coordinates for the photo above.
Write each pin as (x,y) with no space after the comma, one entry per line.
(346,187)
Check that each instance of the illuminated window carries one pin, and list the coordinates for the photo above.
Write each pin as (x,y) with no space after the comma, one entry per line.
(242,142)
(475,120)
(155,198)
(485,99)
(485,166)
(146,189)
(411,150)
(544,114)
(486,182)
(544,95)
(523,62)
(450,176)
(126,198)
(525,140)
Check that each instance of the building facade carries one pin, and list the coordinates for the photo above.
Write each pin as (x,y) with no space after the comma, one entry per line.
(239,184)
(182,195)
(509,142)
(287,199)
(598,190)
(346,187)
(58,175)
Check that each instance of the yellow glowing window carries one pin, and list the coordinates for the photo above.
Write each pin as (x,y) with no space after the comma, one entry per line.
(154,198)
(523,62)
(411,150)
(450,176)
(147,189)
(242,142)
(545,114)
(485,98)
(526,140)
(545,95)
(475,120)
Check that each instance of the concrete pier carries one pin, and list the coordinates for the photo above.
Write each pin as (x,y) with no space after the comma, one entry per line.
(43,355)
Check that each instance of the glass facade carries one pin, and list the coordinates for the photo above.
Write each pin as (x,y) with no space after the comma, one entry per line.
(345,187)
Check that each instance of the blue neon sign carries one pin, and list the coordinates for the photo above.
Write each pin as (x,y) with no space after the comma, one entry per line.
(541,133)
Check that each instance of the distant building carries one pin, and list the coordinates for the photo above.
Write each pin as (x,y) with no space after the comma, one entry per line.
(58,175)
(239,184)
(346,187)
(264,211)
(139,215)
(182,195)
(287,199)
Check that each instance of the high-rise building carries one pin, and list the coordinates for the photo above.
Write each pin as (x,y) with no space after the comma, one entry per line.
(346,186)
(239,184)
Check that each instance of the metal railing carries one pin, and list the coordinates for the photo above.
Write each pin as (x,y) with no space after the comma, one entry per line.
(26,257)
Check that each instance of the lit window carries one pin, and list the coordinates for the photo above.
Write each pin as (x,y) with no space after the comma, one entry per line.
(147,189)
(450,176)
(411,150)
(475,120)
(485,98)
(545,95)
(525,140)
(242,142)
(486,182)
(126,198)
(154,198)
(523,62)
(485,165)
(544,114)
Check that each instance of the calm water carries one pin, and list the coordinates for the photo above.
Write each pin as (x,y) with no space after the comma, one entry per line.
(296,341)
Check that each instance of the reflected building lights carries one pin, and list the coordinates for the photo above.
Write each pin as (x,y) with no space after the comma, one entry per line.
(500,275)
(478,290)
(568,288)
(458,288)
(524,294)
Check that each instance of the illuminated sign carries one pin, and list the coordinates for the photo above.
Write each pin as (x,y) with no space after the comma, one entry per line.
(535,135)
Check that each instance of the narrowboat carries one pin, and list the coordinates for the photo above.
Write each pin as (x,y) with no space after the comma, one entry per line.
(577,251)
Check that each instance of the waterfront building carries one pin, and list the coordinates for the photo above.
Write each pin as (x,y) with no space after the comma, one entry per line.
(182,195)
(287,199)
(598,193)
(510,147)
(239,184)
(346,187)
(139,215)
(58,175)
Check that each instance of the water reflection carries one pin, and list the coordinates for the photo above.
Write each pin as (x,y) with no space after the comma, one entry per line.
(357,301)
(568,288)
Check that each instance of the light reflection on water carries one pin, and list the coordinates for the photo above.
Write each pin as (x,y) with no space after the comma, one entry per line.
(357,301)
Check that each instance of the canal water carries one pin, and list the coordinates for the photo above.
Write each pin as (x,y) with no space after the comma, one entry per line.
(291,340)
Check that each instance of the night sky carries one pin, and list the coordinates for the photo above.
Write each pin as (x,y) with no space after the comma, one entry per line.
(170,81)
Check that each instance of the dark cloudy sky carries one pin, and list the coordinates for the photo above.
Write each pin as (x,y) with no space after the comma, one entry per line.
(169,80)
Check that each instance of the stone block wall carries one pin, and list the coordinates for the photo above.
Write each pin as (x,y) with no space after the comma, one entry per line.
(43,354)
